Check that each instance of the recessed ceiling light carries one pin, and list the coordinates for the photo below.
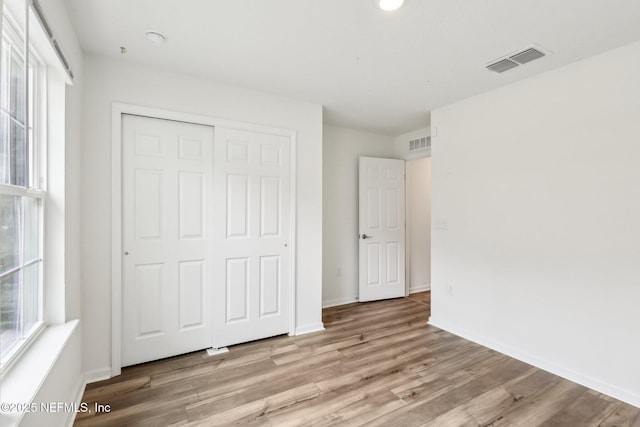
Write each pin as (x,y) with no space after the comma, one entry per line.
(155,37)
(390,5)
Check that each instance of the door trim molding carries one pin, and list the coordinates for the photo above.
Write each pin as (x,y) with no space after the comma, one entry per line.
(119,109)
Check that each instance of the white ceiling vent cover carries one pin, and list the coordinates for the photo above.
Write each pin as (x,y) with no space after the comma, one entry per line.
(517,58)
(423,143)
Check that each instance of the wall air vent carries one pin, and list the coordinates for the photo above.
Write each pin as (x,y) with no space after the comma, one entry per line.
(423,143)
(517,58)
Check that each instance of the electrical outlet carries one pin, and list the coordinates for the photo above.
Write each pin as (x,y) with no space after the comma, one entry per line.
(450,290)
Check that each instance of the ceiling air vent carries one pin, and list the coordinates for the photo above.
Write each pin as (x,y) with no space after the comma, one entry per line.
(518,58)
(526,56)
(502,66)
(423,143)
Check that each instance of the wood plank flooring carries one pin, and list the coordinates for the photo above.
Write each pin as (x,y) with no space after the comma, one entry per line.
(376,364)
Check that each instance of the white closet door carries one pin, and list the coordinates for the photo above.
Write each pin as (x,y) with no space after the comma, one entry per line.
(251,236)
(167,229)
(382,232)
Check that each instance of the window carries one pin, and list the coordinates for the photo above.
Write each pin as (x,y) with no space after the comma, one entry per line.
(22,195)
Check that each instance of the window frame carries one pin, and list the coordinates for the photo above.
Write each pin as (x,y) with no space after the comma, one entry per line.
(35,112)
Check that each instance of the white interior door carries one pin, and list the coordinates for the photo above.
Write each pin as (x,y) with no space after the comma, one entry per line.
(382,231)
(167,227)
(251,238)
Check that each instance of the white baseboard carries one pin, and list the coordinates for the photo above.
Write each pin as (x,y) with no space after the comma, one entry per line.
(307,329)
(544,364)
(420,288)
(97,375)
(87,378)
(339,301)
(71,417)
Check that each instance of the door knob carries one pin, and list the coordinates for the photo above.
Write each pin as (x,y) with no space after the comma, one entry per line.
(364,236)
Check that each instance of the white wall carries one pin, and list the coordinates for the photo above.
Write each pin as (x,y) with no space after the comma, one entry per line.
(108,81)
(418,189)
(342,148)
(536,239)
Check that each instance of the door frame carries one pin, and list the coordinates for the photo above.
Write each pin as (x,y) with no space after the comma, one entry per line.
(117,111)
(409,222)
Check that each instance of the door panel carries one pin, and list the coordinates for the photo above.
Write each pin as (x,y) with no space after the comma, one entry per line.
(149,297)
(167,228)
(191,205)
(269,285)
(148,204)
(237,218)
(269,206)
(251,244)
(192,293)
(237,295)
(381,220)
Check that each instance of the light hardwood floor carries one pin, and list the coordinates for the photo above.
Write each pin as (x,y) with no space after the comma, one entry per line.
(376,364)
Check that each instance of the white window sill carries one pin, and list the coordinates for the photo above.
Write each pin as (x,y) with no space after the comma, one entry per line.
(27,374)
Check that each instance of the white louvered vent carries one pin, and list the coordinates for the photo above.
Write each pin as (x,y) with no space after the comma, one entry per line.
(516,59)
(423,143)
